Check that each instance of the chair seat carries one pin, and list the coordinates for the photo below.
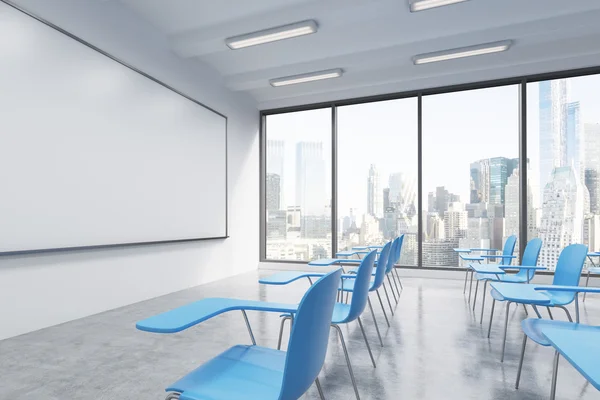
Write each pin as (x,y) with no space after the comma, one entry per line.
(240,373)
(532,327)
(355,270)
(513,278)
(340,313)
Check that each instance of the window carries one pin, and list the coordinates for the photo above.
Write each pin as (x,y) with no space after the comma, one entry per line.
(298,185)
(377,175)
(563,134)
(470,172)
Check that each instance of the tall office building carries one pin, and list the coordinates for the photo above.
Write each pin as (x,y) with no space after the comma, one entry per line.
(500,169)
(592,165)
(310,178)
(386,199)
(574,140)
(455,221)
(442,200)
(396,182)
(480,181)
(273,192)
(563,209)
(275,165)
(374,193)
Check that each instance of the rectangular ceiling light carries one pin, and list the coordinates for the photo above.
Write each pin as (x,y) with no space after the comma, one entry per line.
(272,34)
(313,76)
(420,5)
(462,52)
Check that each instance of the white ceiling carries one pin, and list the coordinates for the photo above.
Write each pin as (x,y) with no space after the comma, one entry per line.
(373,41)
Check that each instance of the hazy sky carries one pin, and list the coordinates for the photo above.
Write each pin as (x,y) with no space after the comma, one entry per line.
(458,128)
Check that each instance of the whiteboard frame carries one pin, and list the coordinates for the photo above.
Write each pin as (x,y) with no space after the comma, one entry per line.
(131,67)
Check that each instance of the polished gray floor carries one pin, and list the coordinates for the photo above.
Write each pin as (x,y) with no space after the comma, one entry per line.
(435,349)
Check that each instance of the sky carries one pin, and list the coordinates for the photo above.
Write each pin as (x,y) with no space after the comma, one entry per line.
(458,129)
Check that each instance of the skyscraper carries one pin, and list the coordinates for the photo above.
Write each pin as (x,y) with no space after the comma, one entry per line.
(553,97)
(592,165)
(273,189)
(310,178)
(480,182)
(500,169)
(395,183)
(455,221)
(374,193)
(275,165)
(563,209)
(386,199)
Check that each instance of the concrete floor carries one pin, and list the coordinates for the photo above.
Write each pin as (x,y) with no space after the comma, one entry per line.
(435,349)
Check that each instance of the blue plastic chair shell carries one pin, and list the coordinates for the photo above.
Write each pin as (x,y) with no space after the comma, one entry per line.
(568,271)
(382,265)
(360,292)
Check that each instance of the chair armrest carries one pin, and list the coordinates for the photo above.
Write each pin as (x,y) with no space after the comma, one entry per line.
(482,249)
(535,267)
(471,258)
(575,289)
(496,256)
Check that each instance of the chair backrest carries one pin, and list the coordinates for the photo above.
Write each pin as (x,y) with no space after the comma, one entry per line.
(385,257)
(530,257)
(397,252)
(509,248)
(569,265)
(362,283)
(309,337)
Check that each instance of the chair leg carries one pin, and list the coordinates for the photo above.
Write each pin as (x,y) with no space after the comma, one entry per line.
(525,308)
(554,376)
(483,301)
(505,329)
(392,288)
(281,331)
(398,276)
(388,298)
(466,278)
(383,308)
(587,282)
(521,361)
(396,285)
(375,321)
(475,297)
(550,313)
(320,389)
(173,396)
(566,312)
(537,312)
(339,331)
(491,317)
(471,286)
(249,328)
(366,341)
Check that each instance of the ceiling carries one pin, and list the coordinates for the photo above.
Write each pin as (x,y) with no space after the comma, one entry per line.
(373,42)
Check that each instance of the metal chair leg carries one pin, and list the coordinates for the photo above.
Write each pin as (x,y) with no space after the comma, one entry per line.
(391,288)
(366,341)
(491,316)
(537,312)
(525,308)
(521,361)
(466,278)
(339,331)
(173,396)
(320,389)
(249,328)
(281,331)
(587,282)
(554,376)
(550,313)
(388,298)
(566,312)
(475,297)
(383,308)
(398,276)
(471,286)
(375,321)
(483,301)
(396,285)
(505,329)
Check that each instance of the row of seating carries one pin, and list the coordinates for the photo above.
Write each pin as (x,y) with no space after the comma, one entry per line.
(566,337)
(255,372)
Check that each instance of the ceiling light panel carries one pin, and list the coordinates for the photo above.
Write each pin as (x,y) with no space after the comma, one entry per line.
(462,52)
(272,34)
(420,5)
(310,77)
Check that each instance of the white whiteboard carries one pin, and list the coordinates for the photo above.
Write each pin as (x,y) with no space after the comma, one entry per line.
(94,153)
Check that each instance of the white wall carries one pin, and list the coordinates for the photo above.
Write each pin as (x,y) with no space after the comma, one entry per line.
(41,290)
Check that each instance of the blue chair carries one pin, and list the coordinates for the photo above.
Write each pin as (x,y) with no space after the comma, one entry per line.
(398,254)
(346,313)
(567,273)
(525,275)
(254,372)
(506,258)
(533,328)
(376,282)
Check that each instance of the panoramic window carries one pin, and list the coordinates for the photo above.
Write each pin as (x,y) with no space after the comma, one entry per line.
(377,175)
(470,172)
(298,185)
(563,134)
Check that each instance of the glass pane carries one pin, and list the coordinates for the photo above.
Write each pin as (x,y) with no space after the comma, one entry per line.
(564,149)
(377,175)
(470,172)
(298,185)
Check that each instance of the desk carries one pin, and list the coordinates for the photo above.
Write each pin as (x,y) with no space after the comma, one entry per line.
(350,253)
(580,348)
(326,262)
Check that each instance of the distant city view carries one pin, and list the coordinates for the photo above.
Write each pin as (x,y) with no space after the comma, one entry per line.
(468,201)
